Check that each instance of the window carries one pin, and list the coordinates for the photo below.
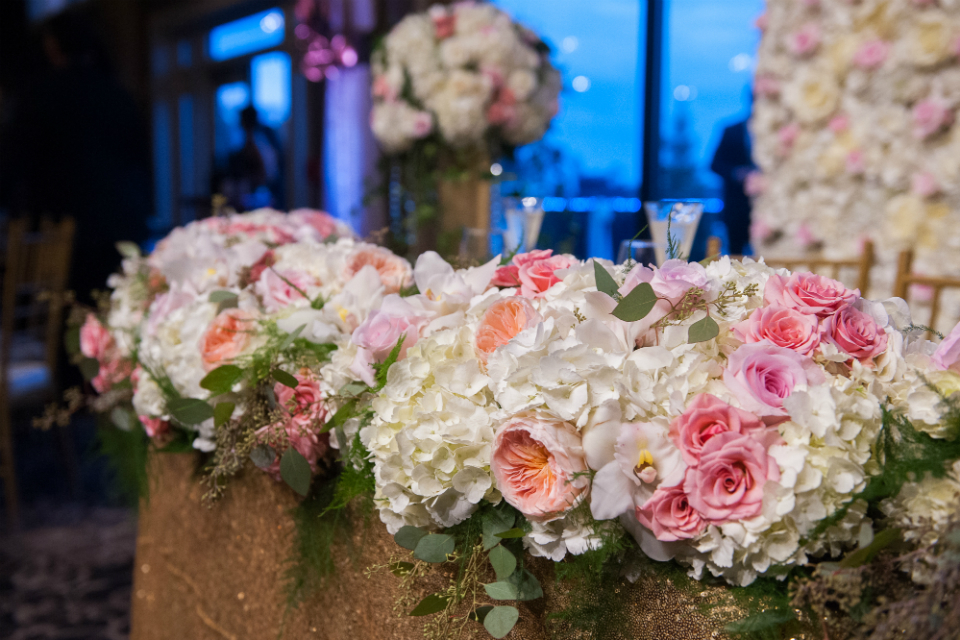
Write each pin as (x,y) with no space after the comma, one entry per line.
(270,80)
(246,35)
(589,164)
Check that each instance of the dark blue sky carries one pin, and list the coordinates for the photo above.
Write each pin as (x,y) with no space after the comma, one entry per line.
(601,40)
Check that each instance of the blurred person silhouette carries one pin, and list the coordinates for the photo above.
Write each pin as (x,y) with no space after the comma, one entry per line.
(733,161)
(254,173)
(75,144)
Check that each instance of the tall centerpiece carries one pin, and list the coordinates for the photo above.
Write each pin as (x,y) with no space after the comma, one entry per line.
(453,88)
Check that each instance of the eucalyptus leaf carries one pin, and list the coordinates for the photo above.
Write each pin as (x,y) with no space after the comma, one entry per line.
(263,456)
(501,590)
(434,547)
(637,304)
(221,379)
(222,296)
(434,603)
(605,281)
(71,340)
(189,411)
(494,522)
(222,413)
(353,389)
(89,367)
(480,613)
(122,418)
(408,537)
(526,584)
(295,471)
(499,621)
(284,378)
(504,562)
(703,330)
(271,396)
(293,335)
(128,249)
(511,533)
(866,554)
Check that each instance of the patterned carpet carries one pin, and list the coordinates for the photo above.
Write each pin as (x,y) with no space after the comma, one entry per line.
(68,576)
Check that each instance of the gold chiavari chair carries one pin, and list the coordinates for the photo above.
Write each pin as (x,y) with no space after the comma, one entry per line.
(37,265)
(818,264)
(906,278)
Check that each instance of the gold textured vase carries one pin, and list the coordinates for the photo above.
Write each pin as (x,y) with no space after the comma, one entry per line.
(215,573)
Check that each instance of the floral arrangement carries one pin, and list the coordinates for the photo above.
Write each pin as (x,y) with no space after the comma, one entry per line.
(745,423)
(855,129)
(455,87)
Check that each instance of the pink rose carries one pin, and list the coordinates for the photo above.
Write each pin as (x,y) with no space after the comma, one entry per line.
(154,426)
(266,232)
(805,41)
(855,333)
(761,375)
(871,54)
(766,85)
(504,109)
(839,124)
(761,22)
(226,337)
(783,327)
(856,162)
(112,370)
(669,515)
(760,230)
(320,221)
(787,136)
(506,276)
(929,116)
(95,339)
(444,21)
(533,271)
(947,355)
(267,260)
(536,462)
(755,183)
(380,332)
(706,417)
(670,281)
(924,184)
(395,272)
(281,289)
(808,293)
(304,413)
(501,322)
(728,483)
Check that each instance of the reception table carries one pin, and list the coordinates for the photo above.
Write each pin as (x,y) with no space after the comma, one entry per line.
(215,573)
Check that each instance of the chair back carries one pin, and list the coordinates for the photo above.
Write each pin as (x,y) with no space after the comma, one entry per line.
(37,267)
(818,264)
(906,277)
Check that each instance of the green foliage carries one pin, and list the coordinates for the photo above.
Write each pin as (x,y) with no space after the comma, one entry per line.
(89,368)
(221,379)
(703,330)
(408,537)
(605,281)
(434,547)
(285,378)
(295,471)
(189,411)
(637,304)
(433,603)
(500,620)
(126,453)
(321,521)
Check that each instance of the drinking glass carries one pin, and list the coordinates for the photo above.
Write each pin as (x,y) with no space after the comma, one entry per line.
(474,246)
(682,218)
(524,218)
(637,252)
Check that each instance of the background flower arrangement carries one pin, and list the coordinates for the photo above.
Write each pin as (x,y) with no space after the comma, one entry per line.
(453,88)
(757,427)
(855,130)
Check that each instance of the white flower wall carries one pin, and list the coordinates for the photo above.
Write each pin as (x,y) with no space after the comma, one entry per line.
(856,132)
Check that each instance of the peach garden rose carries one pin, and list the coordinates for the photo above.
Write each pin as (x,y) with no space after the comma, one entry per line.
(395,272)
(502,321)
(226,337)
(536,462)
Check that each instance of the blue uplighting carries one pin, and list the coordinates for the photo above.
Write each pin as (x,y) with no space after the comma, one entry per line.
(270,77)
(246,35)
